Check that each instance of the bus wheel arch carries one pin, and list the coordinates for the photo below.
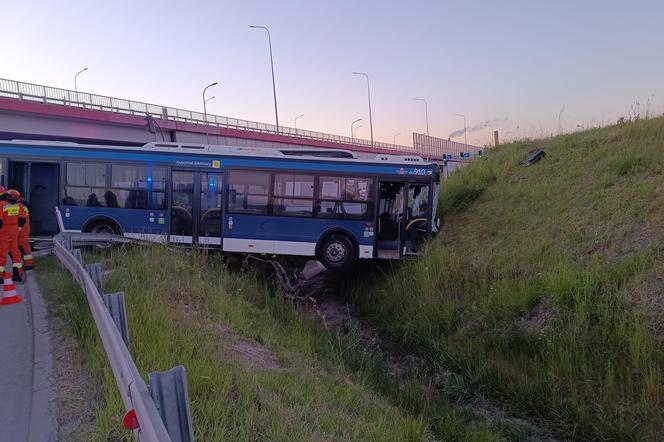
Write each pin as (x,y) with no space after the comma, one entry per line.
(102,224)
(337,249)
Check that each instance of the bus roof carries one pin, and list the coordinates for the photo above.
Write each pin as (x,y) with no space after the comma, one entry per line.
(262,152)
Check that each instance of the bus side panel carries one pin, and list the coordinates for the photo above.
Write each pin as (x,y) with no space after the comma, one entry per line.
(147,224)
(289,235)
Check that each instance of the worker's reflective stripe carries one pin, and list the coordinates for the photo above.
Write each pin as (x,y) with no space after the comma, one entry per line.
(11,209)
(18,265)
(27,256)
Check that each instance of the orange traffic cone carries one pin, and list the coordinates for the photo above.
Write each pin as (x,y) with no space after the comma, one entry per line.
(9,295)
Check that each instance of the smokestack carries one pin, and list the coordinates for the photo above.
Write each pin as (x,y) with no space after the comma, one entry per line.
(496,143)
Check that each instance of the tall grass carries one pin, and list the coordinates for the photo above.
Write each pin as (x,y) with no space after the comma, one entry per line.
(573,236)
(327,386)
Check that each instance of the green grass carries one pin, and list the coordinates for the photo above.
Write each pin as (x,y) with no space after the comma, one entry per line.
(582,228)
(328,386)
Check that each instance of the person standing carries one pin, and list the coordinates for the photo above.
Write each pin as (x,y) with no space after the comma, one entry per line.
(23,232)
(10,220)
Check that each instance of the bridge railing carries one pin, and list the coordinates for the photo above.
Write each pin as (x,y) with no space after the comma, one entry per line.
(66,97)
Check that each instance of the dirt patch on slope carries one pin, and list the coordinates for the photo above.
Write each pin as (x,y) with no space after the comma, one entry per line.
(76,395)
(250,353)
(633,242)
(649,297)
(540,317)
(624,242)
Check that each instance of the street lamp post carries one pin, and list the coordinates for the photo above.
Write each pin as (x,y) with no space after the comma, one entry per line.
(75,81)
(207,135)
(369,97)
(465,131)
(426,111)
(355,130)
(274,88)
(352,134)
(301,115)
(394,137)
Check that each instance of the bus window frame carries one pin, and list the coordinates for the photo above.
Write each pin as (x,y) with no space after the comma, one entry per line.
(316,200)
(108,166)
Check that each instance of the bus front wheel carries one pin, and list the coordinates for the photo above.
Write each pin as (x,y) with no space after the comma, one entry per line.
(336,252)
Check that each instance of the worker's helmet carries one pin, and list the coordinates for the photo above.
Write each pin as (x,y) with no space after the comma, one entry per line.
(15,193)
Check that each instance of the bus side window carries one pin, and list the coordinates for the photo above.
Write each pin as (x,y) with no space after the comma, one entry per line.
(345,197)
(248,192)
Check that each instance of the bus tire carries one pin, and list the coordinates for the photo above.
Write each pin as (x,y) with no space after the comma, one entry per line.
(336,252)
(104,226)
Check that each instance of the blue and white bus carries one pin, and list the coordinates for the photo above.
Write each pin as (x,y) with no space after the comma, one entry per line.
(321,203)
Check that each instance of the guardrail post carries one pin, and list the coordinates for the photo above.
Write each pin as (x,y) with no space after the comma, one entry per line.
(94,270)
(171,396)
(115,303)
(77,254)
(66,242)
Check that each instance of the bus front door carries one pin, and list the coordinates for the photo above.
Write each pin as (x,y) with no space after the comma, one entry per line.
(403,218)
(196,203)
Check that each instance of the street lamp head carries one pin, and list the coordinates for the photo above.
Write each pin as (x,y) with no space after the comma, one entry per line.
(208,87)
(84,69)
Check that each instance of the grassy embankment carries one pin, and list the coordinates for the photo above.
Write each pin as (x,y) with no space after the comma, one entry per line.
(258,369)
(544,289)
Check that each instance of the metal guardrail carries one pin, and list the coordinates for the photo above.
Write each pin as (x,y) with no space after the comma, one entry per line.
(66,97)
(136,396)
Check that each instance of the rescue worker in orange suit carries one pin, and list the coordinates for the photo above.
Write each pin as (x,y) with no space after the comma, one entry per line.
(10,220)
(23,232)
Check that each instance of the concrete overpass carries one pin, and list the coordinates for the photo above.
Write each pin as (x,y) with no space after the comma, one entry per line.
(31,111)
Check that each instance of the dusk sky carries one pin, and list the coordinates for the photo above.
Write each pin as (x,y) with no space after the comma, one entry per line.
(516,63)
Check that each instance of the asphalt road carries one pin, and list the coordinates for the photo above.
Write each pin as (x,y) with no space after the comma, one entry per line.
(27,398)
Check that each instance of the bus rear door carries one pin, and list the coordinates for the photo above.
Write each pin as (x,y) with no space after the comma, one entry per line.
(38,184)
(196,208)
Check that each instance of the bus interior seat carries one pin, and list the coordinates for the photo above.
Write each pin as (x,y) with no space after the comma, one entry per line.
(388,228)
(93,201)
(69,201)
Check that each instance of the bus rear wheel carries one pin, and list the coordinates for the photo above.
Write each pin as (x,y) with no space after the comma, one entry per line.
(336,252)
(104,227)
